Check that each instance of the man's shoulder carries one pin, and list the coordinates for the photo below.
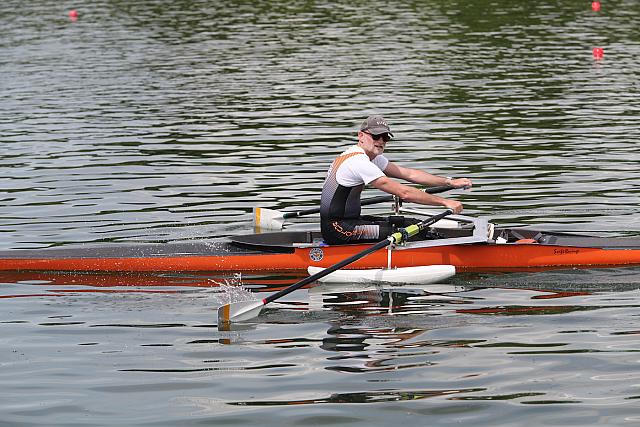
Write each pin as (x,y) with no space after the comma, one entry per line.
(352,150)
(380,161)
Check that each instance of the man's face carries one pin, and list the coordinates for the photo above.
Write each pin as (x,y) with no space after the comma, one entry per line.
(372,147)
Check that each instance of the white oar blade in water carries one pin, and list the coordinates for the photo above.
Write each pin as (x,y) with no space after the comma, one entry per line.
(413,275)
(239,311)
(268,218)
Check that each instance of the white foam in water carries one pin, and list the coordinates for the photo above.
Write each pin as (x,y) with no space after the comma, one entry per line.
(231,290)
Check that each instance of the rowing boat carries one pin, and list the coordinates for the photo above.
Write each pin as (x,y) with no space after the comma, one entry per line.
(473,244)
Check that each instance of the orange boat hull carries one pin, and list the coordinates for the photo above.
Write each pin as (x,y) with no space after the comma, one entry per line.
(463,257)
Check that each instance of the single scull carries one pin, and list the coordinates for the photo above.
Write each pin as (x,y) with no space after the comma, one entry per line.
(472,244)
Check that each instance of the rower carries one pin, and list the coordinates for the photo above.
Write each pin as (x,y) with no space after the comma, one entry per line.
(363,164)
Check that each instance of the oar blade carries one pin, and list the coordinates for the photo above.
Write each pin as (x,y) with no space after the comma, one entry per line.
(239,311)
(268,219)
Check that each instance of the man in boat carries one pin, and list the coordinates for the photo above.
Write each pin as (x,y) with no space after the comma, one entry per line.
(364,164)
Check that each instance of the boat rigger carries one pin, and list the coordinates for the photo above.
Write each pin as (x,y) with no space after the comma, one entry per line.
(472,244)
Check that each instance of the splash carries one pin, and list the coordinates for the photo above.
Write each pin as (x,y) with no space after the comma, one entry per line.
(230,290)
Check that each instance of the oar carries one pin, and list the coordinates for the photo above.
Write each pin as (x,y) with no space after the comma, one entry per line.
(273,219)
(239,311)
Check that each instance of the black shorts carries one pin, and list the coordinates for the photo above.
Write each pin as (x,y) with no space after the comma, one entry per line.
(365,229)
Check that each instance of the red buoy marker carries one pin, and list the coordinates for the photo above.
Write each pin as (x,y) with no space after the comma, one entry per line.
(595,6)
(73,14)
(598,52)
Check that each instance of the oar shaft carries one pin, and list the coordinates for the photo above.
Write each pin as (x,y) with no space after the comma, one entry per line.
(327,271)
(289,215)
(439,189)
(311,211)
(396,237)
(246,310)
(366,202)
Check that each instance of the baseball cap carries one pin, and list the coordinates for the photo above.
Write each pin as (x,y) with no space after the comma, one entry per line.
(376,125)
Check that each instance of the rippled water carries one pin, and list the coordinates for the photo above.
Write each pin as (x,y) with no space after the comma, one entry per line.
(162,121)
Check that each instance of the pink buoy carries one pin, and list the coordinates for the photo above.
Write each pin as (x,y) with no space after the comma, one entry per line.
(598,52)
(595,6)
(73,14)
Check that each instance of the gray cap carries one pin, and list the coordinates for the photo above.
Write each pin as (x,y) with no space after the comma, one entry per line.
(376,125)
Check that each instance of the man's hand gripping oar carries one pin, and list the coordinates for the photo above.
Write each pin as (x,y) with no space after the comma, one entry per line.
(239,311)
(271,219)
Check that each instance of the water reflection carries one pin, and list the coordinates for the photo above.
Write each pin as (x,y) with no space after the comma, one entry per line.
(160,121)
(176,129)
(446,337)
(363,397)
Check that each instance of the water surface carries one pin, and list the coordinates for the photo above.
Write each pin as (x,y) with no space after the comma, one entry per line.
(164,121)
